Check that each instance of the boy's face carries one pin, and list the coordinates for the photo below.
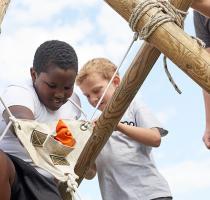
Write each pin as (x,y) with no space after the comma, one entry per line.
(93,87)
(54,87)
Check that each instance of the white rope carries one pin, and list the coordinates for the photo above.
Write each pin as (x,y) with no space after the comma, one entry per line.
(72,186)
(5,130)
(6,107)
(12,119)
(135,37)
(78,107)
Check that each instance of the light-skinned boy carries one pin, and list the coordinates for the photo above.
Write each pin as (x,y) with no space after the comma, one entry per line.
(43,98)
(125,166)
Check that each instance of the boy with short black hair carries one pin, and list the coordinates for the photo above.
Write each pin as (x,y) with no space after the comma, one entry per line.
(43,98)
(125,166)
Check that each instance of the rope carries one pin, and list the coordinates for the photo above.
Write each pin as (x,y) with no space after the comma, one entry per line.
(78,107)
(170,77)
(12,119)
(135,37)
(199,41)
(171,14)
(72,186)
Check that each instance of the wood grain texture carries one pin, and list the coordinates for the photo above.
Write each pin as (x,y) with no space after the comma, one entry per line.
(132,81)
(173,42)
(114,111)
(3,8)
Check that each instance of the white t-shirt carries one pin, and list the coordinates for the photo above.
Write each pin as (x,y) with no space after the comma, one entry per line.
(126,169)
(24,94)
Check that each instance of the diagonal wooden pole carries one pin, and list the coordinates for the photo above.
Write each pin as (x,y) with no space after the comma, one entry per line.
(131,82)
(3,8)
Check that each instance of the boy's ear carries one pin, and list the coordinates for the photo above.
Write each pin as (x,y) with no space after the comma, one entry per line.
(116,80)
(33,74)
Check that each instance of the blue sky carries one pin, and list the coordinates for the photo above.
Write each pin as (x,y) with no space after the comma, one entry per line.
(88,26)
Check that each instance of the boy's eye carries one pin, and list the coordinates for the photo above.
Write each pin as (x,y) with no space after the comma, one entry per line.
(68,88)
(51,85)
(96,91)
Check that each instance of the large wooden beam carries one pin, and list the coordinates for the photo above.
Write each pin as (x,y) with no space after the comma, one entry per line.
(173,42)
(3,8)
(131,82)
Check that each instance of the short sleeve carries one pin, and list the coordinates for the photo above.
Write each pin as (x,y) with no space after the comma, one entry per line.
(146,119)
(202,28)
(16,95)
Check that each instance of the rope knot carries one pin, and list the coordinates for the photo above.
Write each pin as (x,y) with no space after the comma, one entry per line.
(72,185)
(171,14)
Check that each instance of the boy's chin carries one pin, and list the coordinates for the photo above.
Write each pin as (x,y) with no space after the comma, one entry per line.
(101,108)
(53,107)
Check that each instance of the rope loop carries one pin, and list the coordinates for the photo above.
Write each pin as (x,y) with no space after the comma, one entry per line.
(171,14)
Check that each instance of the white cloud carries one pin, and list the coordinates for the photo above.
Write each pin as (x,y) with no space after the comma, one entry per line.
(188,175)
(19,41)
(27,11)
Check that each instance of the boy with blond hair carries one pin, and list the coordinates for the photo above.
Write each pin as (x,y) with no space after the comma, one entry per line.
(125,166)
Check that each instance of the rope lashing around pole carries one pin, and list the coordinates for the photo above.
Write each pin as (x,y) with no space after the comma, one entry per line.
(171,14)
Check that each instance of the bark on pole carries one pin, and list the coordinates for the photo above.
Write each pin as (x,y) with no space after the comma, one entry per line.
(137,73)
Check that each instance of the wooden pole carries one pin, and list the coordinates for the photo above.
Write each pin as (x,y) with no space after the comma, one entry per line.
(131,82)
(3,8)
(173,42)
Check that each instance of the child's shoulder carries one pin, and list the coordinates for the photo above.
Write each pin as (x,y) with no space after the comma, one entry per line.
(20,84)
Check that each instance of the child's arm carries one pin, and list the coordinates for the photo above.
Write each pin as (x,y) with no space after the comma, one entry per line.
(206,136)
(202,6)
(91,172)
(20,112)
(147,136)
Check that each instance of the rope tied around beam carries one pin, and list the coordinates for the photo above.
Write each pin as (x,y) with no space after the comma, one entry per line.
(165,12)
(171,14)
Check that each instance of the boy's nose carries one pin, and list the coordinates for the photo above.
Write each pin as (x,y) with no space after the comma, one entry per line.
(59,95)
(94,101)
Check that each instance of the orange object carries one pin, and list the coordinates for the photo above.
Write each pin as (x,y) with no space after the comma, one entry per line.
(64,135)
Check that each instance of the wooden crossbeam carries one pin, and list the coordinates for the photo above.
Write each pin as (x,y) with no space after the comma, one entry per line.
(134,78)
(173,42)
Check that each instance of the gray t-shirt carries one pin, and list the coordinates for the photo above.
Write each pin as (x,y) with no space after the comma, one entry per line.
(202,28)
(23,93)
(126,169)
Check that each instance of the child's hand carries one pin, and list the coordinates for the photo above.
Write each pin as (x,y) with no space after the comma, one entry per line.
(206,138)
(119,127)
(91,172)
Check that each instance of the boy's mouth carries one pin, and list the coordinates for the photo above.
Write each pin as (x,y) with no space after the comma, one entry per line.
(58,102)
(101,105)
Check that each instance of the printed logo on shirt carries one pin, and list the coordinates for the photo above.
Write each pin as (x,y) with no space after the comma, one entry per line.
(129,123)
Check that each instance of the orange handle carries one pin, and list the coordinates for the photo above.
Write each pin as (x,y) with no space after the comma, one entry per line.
(64,135)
